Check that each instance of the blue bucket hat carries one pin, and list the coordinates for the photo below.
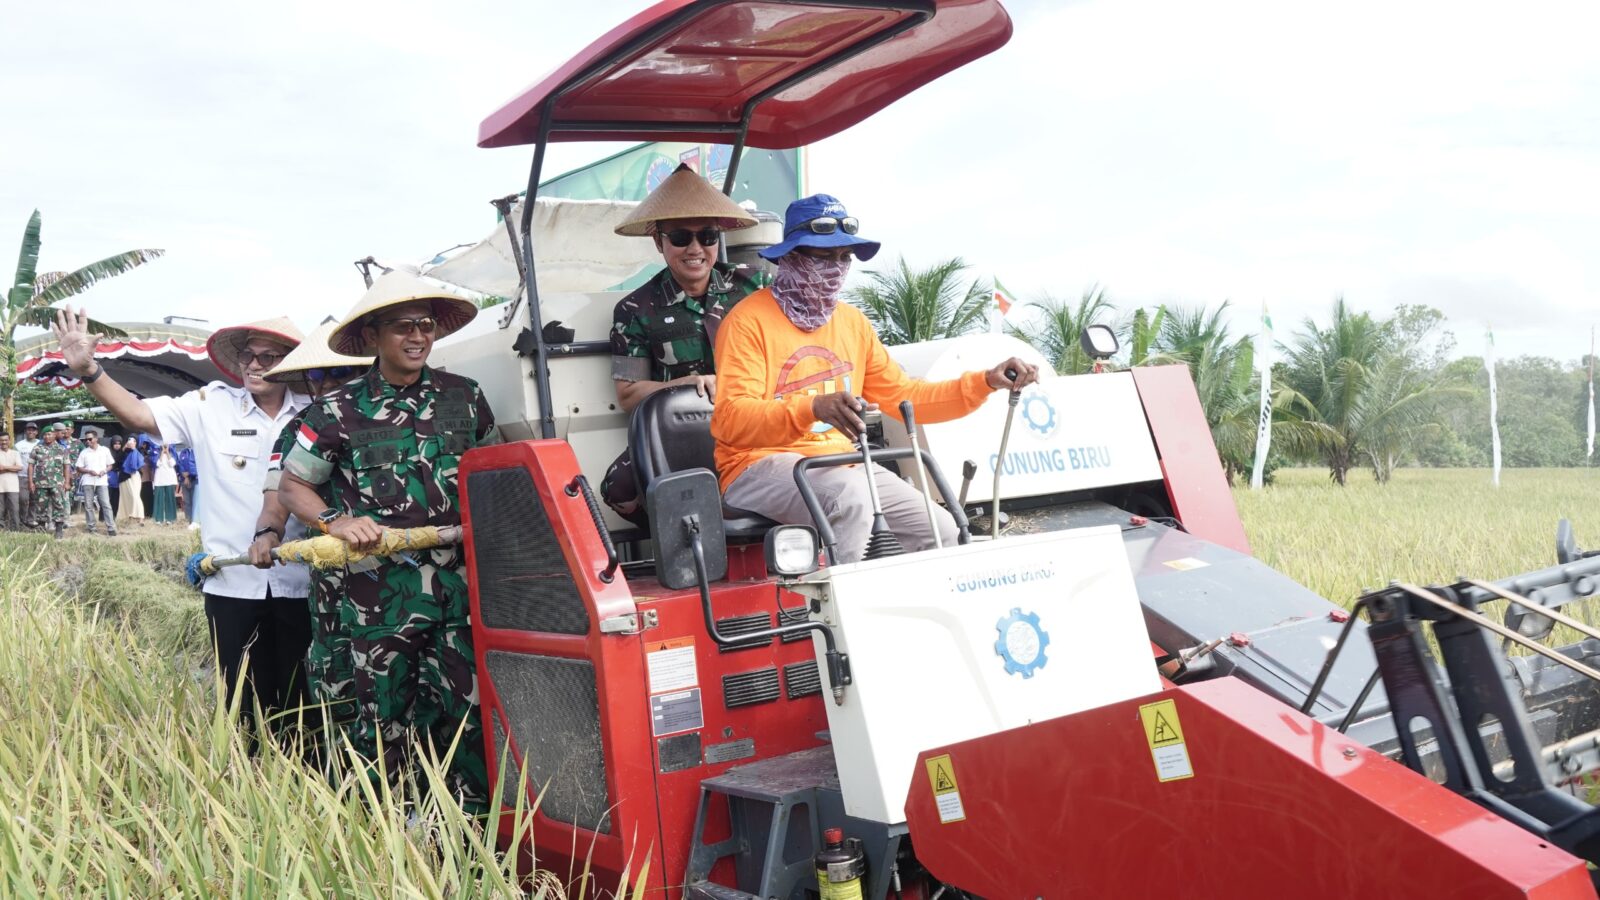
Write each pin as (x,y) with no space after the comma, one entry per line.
(797,233)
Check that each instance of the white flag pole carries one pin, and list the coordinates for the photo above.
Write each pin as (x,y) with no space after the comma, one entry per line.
(1589,449)
(1264,418)
(1494,404)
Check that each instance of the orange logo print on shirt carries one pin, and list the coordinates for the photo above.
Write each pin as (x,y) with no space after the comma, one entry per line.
(813,370)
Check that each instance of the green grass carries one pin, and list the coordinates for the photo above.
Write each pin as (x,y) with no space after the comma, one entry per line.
(1428,526)
(123,776)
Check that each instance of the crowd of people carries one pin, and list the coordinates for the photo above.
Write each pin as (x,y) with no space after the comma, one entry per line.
(114,480)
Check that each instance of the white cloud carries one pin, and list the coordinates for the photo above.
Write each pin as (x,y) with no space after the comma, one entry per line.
(1390,152)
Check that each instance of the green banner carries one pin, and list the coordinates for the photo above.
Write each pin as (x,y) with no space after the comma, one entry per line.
(771,178)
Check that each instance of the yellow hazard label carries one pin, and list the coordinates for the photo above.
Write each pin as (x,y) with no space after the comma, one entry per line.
(946,792)
(1164,733)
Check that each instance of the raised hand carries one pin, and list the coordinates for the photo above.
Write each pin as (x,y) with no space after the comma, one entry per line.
(71,329)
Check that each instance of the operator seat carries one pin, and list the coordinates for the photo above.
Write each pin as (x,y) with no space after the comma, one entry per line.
(670,432)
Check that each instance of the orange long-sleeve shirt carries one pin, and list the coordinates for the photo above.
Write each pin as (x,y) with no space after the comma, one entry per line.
(768,371)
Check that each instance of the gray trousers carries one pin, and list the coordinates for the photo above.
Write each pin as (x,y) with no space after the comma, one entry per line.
(97,503)
(768,488)
(11,510)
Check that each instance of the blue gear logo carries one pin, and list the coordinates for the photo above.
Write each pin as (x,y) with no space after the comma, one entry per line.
(1041,421)
(1022,642)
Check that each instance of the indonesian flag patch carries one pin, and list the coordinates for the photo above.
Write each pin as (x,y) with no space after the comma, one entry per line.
(305,437)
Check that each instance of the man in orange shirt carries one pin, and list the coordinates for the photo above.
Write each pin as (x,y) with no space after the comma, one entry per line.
(795,370)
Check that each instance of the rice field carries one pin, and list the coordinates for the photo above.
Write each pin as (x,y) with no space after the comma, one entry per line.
(1427,526)
(123,777)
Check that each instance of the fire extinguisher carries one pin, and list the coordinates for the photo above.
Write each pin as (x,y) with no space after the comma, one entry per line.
(840,866)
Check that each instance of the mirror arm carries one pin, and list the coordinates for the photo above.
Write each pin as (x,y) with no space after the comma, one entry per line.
(838,663)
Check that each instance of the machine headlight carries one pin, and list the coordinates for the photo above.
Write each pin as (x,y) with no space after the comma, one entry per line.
(791,550)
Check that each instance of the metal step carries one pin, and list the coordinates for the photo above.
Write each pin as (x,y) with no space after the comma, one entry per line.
(705,890)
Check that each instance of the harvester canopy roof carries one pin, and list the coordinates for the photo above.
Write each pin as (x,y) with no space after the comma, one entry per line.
(688,69)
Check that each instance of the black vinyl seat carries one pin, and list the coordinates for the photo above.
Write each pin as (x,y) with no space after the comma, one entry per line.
(670,432)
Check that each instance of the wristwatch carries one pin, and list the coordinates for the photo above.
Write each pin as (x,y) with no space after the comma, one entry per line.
(326,517)
(267,530)
(93,376)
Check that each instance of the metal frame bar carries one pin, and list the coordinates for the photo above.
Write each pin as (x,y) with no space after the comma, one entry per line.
(1520,791)
(923,10)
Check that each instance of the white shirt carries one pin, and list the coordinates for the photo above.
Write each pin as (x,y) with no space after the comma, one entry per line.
(232,438)
(166,474)
(25,448)
(9,484)
(97,459)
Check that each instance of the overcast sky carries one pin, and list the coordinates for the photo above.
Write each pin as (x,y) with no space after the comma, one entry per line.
(1393,152)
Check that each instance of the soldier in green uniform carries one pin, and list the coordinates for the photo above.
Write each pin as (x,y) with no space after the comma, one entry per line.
(662,333)
(388,446)
(50,470)
(316,371)
(67,439)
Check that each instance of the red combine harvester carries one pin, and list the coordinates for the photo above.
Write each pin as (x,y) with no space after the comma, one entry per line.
(1108,697)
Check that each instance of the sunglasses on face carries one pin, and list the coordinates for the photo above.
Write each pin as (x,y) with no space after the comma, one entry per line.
(829,224)
(680,237)
(422,324)
(266,360)
(334,372)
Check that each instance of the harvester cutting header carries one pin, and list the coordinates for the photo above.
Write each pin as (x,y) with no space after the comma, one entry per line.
(1084,685)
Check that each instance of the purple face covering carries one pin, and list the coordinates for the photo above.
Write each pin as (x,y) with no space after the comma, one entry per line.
(807,288)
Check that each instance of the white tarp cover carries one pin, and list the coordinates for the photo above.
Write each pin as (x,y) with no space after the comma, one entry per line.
(573,244)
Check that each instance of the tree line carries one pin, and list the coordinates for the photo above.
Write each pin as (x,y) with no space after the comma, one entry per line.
(1349,390)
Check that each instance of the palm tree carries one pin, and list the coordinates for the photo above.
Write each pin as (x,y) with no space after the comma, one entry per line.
(1057,336)
(1226,380)
(1353,379)
(907,306)
(32,294)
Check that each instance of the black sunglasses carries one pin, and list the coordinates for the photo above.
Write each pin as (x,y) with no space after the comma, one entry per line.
(335,372)
(828,225)
(680,237)
(424,324)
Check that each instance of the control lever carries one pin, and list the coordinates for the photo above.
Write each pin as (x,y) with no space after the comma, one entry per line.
(969,471)
(1000,461)
(909,416)
(883,541)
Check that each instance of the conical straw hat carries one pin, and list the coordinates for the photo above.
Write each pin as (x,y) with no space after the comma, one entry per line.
(684,195)
(314,353)
(225,344)
(451,309)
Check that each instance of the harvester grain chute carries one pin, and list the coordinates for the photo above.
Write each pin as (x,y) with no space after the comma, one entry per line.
(1113,698)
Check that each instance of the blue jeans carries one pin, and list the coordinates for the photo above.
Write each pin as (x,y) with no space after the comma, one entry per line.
(97,500)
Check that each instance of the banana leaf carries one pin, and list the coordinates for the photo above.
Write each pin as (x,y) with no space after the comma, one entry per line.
(74,283)
(27,265)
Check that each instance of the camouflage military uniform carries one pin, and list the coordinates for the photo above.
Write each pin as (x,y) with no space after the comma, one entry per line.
(391,454)
(329,674)
(659,333)
(50,469)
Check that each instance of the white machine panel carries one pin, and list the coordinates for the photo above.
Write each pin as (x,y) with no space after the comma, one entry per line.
(1070,433)
(947,645)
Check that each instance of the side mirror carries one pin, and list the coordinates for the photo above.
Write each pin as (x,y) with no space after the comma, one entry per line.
(1099,342)
(684,507)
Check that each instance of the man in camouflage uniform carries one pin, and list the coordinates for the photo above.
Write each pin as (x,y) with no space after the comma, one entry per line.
(50,471)
(388,445)
(662,333)
(316,371)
